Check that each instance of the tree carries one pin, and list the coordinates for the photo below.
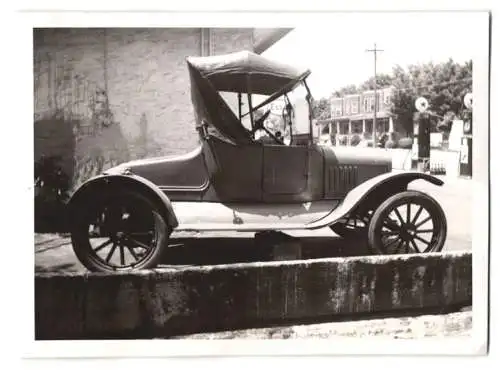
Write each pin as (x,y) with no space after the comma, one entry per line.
(346,90)
(444,85)
(402,100)
(321,108)
(383,80)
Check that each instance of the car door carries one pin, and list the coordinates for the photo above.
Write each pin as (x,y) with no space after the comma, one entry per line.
(235,171)
(285,172)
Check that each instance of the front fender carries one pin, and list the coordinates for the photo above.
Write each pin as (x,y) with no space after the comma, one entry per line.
(381,186)
(107,182)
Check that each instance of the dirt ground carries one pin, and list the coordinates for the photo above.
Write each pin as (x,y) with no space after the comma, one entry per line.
(457,324)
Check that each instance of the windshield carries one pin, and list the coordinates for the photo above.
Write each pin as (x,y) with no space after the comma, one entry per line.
(287,115)
(273,122)
(300,104)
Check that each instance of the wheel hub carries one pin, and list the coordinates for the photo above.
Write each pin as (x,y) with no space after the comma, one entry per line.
(407,232)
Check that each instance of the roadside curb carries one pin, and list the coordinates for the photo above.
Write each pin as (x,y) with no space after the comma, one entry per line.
(165,302)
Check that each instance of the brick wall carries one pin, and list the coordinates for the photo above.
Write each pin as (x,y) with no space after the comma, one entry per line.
(145,78)
(148,78)
(354,104)
(68,70)
(224,40)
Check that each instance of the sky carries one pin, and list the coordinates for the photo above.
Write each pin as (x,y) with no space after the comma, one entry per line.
(335,49)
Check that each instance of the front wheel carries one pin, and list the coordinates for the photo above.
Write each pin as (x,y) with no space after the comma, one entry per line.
(407,222)
(122,231)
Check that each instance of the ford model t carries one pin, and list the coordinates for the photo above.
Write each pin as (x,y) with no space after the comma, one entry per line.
(257,168)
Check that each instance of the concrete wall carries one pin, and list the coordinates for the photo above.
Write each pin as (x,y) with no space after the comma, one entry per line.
(162,303)
(143,75)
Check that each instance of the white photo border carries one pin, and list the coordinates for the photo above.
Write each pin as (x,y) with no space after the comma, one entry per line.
(153,348)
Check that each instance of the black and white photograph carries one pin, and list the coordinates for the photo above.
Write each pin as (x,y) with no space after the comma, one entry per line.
(277,179)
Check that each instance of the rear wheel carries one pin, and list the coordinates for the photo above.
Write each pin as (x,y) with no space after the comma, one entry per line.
(122,231)
(407,222)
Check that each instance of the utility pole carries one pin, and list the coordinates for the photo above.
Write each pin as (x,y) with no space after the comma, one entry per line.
(105,59)
(374,51)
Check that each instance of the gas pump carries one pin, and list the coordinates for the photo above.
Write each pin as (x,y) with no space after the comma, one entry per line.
(422,136)
(466,142)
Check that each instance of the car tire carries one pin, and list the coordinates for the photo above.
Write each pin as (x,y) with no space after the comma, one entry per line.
(399,224)
(132,240)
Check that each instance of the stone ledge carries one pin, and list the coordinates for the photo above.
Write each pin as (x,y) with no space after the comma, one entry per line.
(167,302)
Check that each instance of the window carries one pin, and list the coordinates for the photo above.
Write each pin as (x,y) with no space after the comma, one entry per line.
(369,104)
(354,106)
(336,108)
(380,101)
(300,121)
(387,98)
(347,107)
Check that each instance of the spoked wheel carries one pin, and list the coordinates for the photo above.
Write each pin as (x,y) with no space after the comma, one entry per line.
(408,222)
(353,226)
(120,232)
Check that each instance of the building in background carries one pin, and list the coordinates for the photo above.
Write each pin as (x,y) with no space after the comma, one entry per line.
(103,96)
(352,115)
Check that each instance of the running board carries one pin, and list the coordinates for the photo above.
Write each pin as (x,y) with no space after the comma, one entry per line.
(199,216)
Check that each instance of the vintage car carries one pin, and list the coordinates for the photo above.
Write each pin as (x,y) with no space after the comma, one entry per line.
(248,174)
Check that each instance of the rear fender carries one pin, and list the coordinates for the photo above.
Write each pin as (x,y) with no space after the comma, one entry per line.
(104,183)
(372,193)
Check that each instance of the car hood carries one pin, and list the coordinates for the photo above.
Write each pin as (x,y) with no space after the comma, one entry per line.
(347,155)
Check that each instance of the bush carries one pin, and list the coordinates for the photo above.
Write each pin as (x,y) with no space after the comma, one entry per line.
(405,143)
(389,144)
(51,195)
(395,136)
(355,140)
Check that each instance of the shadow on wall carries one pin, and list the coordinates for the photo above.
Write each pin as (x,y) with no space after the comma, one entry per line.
(69,151)
(54,137)
(54,150)
(51,194)
(63,162)
(75,133)
(100,143)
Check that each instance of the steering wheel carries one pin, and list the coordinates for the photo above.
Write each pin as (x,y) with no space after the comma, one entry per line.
(259,125)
